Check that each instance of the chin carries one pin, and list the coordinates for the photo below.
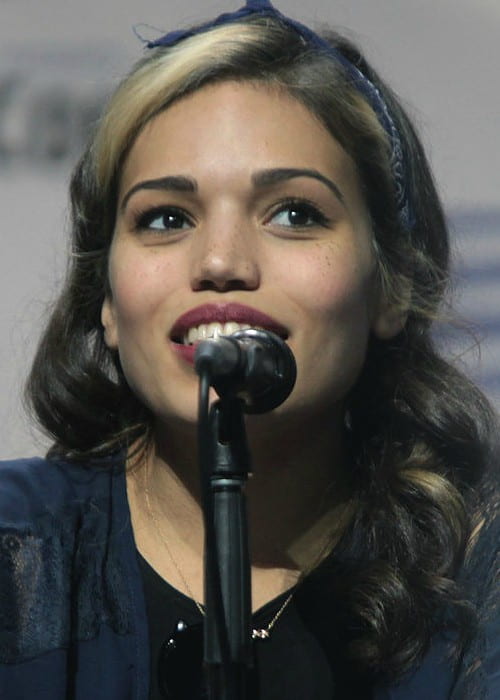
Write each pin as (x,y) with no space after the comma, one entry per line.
(182,414)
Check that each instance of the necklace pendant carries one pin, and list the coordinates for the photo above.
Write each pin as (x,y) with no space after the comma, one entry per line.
(260,634)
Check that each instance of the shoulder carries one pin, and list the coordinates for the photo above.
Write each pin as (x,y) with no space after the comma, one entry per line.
(475,673)
(481,567)
(64,538)
(32,487)
(481,662)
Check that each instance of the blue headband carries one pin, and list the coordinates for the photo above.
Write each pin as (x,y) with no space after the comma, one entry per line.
(263,8)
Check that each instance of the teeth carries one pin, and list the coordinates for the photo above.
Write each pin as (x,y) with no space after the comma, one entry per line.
(232,327)
(213,330)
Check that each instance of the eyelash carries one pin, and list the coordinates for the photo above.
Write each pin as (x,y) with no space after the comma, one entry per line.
(144,219)
(311,209)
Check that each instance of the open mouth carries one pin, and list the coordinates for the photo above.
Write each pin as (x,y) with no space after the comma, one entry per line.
(210,321)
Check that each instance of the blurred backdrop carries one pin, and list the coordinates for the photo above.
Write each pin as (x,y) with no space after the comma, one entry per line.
(59,59)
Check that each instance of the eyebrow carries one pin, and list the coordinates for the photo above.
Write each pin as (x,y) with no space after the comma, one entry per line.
(274,176)
(176,183)
(263,178)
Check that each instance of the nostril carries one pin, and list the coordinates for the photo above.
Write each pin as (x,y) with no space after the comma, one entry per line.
(222,285)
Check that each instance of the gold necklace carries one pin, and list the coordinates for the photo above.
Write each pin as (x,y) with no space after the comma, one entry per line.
(262,633)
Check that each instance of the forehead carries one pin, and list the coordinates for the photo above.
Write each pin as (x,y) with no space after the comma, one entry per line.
(254,125)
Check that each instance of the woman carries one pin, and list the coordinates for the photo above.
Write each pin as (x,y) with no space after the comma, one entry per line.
(251,173)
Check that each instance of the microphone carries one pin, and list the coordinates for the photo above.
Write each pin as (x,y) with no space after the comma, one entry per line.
(254,365)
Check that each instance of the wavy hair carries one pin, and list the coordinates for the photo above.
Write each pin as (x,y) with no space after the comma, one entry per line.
(419,430)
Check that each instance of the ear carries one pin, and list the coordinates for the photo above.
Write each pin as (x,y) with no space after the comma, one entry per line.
(389,321)
(108,321)
(393,306)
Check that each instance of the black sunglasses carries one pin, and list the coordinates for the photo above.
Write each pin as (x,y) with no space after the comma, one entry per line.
(180,665)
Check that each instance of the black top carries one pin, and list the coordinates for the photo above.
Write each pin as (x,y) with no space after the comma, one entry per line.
(293,663)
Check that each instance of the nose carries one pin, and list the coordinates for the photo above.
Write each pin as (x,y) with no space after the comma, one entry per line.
(224,258)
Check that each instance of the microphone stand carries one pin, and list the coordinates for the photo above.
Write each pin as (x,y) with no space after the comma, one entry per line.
(255,371)
(225,467)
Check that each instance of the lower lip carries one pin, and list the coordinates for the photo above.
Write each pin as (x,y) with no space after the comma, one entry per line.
(185,352)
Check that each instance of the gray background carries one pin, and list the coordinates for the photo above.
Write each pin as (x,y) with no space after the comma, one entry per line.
(58,59)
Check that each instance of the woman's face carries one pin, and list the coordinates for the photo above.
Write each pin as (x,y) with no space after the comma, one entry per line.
(237,205)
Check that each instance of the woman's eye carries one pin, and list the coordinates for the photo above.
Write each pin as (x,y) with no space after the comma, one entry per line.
(298,215)
(164,219)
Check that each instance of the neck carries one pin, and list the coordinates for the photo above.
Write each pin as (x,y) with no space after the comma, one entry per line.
(297,497)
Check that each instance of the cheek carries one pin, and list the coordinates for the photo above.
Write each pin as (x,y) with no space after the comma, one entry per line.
(332,295)
(140,286)
(330,285)
(137,288)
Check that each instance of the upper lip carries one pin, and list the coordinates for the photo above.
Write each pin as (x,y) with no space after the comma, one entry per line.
(223,313)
